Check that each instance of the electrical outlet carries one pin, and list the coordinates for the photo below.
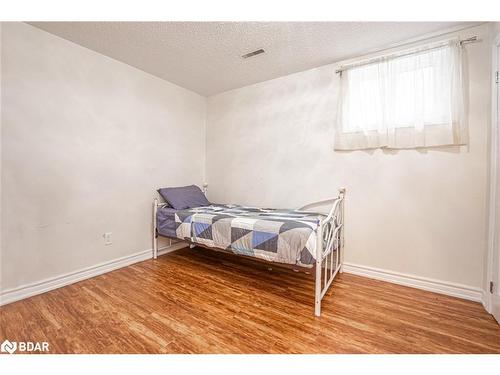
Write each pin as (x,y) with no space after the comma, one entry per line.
(107,238)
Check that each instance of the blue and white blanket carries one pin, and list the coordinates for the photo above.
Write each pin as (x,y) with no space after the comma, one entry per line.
(283,236)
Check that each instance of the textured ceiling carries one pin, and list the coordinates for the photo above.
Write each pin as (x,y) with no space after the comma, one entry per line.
(205,56)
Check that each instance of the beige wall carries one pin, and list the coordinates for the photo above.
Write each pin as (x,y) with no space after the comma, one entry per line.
(1,130)
(86,141)
(415,212)
(496,28)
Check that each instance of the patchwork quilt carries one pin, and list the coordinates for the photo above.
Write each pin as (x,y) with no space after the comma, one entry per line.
(276,235)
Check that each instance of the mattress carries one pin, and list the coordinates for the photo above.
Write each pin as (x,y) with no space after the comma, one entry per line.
(275,235)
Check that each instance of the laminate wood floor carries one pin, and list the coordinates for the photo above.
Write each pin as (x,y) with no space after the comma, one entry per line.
(199,301)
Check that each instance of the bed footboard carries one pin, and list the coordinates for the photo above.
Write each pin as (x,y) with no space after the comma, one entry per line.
(329,250)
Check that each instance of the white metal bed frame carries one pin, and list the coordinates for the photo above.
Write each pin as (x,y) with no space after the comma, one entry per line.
(329,244)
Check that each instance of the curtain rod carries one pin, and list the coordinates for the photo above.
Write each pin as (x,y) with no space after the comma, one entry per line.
(472,39)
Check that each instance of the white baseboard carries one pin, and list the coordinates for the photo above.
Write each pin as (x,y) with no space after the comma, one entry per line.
(29,290)
(486,299)
(432,285)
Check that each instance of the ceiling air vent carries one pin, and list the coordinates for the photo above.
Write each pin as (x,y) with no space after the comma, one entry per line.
(254,53)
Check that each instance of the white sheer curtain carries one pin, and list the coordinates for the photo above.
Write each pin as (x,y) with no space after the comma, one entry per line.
(414,98)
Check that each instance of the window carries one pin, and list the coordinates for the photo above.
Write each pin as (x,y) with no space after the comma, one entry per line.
(410,99)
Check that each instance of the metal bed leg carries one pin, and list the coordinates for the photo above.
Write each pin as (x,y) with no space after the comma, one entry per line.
(155,232)
(317,278)
(341,247)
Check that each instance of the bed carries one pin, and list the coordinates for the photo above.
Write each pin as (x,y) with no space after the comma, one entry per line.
(298,238)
